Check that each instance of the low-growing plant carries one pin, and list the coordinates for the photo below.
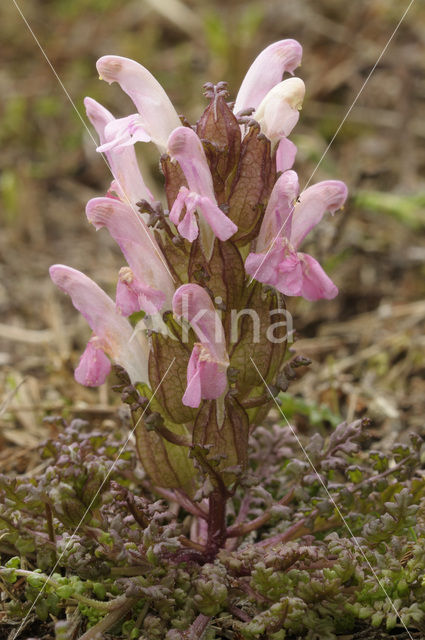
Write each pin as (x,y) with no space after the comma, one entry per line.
(232,527)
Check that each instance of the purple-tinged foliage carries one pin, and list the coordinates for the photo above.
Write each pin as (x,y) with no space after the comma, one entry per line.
(289,568)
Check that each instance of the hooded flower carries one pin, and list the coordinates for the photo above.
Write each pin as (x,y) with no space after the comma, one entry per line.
(157,117)
(266,71)
(286,223)
(185,147)
(206,372)
(113,335)
(278,112)
(147,283)
(128,183)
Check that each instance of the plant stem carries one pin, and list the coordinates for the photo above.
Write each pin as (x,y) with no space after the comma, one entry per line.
(97,631)
(50,527)
(216,522)
(96,604)
(198,627)
(241,529)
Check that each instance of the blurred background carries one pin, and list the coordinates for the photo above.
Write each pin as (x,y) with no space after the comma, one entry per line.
(367,345)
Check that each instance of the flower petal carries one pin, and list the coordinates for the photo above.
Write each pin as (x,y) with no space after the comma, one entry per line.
(206,378)
(159,117)
(114,332)
(133,295)
(122,132)
(279,268)
(221,224)
(94,366)
(285,155)
(266,71)
(137,244)
(192,302)
(313,203)
(186,147)
(277,221)
(122,162)
(278,112)
(316,283)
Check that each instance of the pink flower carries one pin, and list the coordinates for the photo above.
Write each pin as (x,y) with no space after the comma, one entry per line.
(266,71)
(185,147)
(113,334)
(286,223)
(206,372)
(158,117)
(147,285)
(122,161)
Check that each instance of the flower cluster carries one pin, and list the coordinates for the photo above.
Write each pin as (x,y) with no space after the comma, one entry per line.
(235,221)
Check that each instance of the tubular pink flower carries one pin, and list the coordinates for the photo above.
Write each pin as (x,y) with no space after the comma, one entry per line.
(266,71)
(286,223)
(158,117)
(185,147)
(148,284)
(278,112)
(128,182)
(206,372)
(114,335)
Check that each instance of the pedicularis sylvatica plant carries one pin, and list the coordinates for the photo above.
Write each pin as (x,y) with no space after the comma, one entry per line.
(209,275)
(229,529)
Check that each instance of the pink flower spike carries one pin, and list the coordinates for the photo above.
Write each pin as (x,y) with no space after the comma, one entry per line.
(266,71)
(128,182)
(94,366)
(316,284)
(186,148)
(278,112)
(206,373)
(114,333)
(329,195)
(158,116)
(151,283)
(285,155)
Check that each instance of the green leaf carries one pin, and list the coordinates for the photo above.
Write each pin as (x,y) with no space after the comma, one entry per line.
(168,465)
(226,436)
